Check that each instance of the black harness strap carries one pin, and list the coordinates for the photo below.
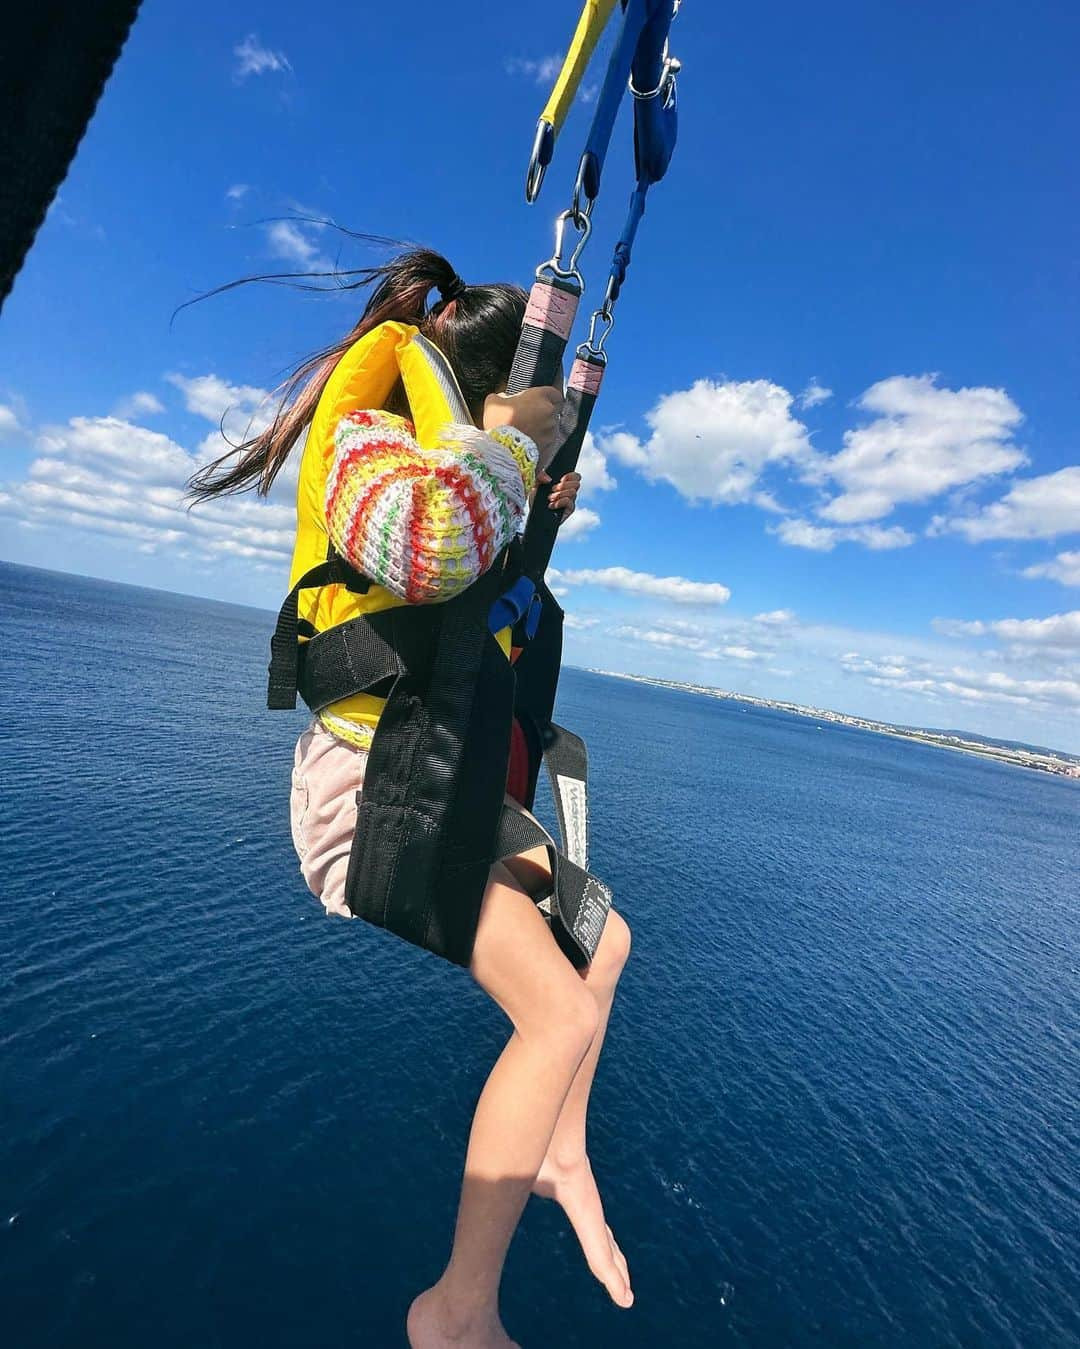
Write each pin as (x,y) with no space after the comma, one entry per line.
(542,526)
(552,307)
(434,783)
(538,667)
(285,643)
(365,655)
(577,904)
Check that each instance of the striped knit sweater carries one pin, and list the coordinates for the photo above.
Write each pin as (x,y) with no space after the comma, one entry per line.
(425,523)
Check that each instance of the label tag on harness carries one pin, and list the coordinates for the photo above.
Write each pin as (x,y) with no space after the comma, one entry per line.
(575,818)
(592,915)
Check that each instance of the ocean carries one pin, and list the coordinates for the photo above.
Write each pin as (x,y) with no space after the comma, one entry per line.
(838,1104)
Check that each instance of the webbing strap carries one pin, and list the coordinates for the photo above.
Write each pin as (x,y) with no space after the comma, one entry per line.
(591,24)
(578,903)
(567,762)
(285,645)
(364,655)
(637,51)
(549,317)
(542,526)
(434,785)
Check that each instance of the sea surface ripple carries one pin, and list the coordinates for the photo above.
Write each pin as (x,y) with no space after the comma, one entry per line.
(838,1105)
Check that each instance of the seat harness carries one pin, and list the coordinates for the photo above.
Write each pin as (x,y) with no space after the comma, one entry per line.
(431,818)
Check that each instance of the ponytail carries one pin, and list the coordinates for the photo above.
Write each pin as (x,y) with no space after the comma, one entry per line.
(476,327)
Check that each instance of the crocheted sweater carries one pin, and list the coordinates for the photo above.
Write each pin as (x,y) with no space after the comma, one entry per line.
(425,523)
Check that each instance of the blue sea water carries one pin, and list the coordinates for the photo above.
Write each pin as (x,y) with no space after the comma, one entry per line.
(838,1105)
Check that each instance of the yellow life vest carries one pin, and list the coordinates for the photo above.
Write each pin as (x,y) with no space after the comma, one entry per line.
(364,378)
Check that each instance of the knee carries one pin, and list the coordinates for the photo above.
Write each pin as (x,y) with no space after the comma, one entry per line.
(568,1021)
(613,950)
(582,1017)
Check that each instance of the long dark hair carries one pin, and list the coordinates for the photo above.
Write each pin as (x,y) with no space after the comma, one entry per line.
(476,328)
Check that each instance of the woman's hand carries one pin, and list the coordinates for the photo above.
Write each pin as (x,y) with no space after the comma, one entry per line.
(564,494)
(534,412)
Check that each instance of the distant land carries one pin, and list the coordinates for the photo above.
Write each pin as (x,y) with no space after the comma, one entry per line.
(1023,756)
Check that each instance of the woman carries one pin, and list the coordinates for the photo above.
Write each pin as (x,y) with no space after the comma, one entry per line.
(423,523)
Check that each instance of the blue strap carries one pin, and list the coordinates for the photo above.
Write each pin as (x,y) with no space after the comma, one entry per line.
(520,600)
(656,123)
(639,52)
(638,56)
(621,261)
(611,94)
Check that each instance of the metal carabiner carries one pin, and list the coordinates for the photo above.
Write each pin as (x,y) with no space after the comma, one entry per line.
(594,346)
(665,89)
(582,223)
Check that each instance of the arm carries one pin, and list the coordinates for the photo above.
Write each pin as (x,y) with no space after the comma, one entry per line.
(425,523)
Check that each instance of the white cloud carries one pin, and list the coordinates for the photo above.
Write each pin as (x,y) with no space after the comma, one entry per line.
(117,447)
(593,467)
(1023,693)
(824,538)
(776,618)
(109,476)
(713,441)
(675,588)
(252,58)
(699,645)
(216,400)
(540,71)
(9,422)
(141,404)
(993,685)
(237,412)
(963,683)
(1064,568)
(656,637)
(924,440)
(958,627)
(582,522)
(1058,630)
(891,667)
(812,395)
(577,623)
(294,242)
(1034,508)
(238,191)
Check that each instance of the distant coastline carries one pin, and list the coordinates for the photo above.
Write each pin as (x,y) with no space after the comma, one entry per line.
(1060,764)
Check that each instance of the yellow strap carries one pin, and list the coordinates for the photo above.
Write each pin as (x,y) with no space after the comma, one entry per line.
(592,23)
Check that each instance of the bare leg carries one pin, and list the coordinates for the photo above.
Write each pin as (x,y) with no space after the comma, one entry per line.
(555,1018)
(566,1175)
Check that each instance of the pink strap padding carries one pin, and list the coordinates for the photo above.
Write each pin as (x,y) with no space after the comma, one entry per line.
(551,309)
(585,376)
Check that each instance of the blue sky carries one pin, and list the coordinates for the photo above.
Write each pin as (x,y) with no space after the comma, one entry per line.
(837,455)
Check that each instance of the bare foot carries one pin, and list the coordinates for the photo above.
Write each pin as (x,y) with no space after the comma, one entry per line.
(573,1187)
(430,1324)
